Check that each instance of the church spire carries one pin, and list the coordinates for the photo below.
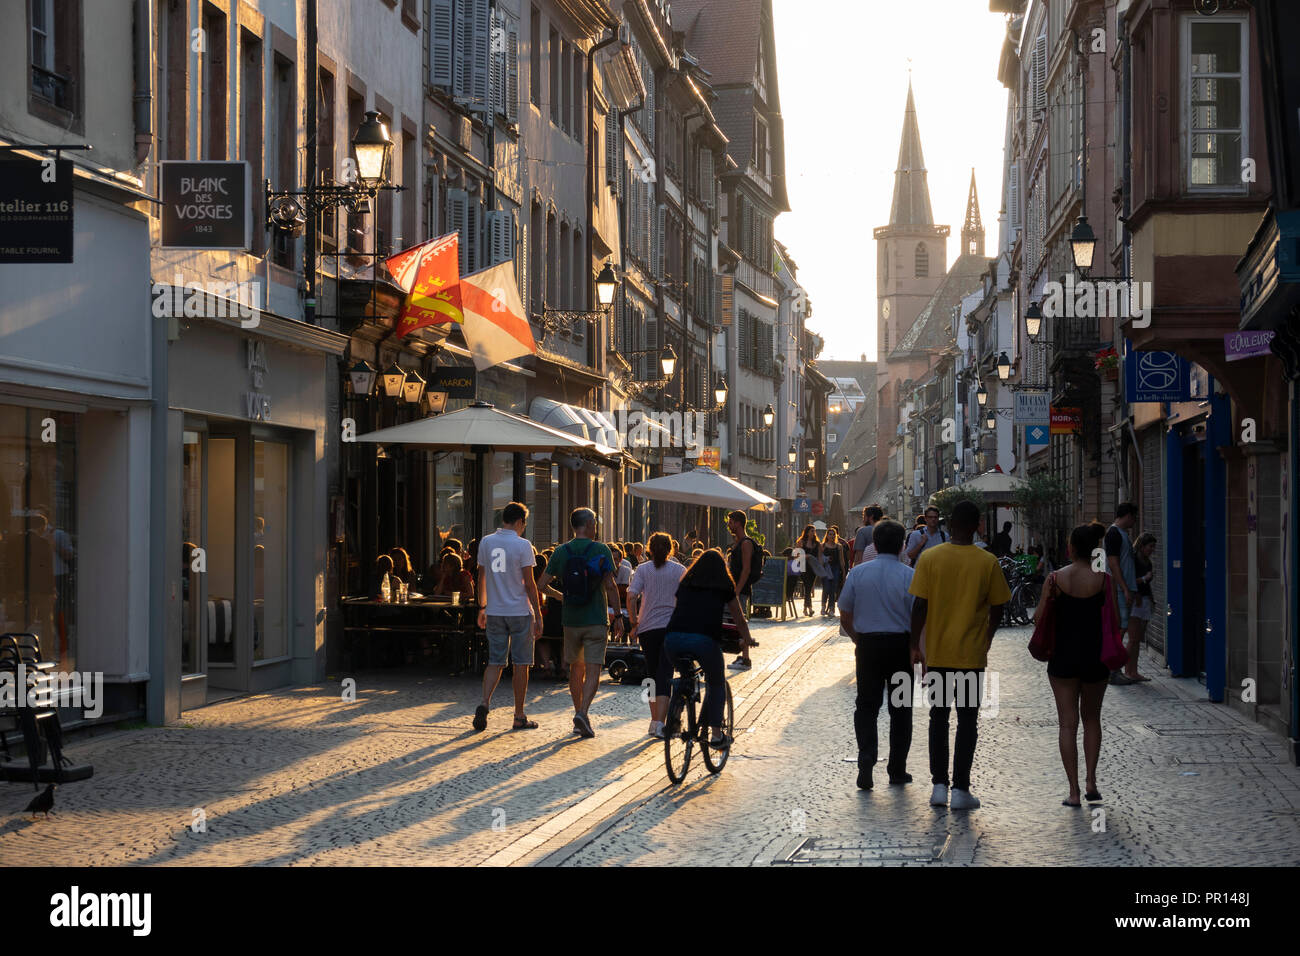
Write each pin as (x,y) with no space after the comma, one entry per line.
(911,193)
(972,231)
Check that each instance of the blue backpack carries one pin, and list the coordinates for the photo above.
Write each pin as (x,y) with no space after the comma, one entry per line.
(581,578)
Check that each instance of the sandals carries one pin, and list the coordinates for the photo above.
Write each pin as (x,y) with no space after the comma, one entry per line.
(523,723)
(1067,803)
(1093,796)
(480,717)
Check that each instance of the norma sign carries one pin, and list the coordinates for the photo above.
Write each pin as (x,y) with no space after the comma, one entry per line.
(36,210)
(1033,408)
(1066,421)
(456,380)
(205,205)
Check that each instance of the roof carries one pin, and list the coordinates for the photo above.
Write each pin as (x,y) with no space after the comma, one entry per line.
(911,205)
(724,33)
(860,440)
(932,327)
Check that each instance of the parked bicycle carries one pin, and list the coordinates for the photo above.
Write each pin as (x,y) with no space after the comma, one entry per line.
(1025,592)
(683,729)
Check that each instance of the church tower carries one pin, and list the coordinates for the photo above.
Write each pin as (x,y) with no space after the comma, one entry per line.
(972,231)
(911,263)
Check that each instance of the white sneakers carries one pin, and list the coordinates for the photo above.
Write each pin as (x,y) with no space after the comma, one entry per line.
(657,729)
(961,799)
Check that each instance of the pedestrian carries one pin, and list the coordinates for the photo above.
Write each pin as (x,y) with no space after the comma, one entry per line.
(745,564)
(695,631)
(862,540)
(960,590)
(1075,670)
(810,544)
(1119,558)
(876,612)
(585,569)
(875,515)
(1140,616)
(928,535)
(651,598)
(835,556)
(622,577)
(510,611)
(1002,541)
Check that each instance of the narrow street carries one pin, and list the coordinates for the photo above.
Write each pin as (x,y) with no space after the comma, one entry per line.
(298,777)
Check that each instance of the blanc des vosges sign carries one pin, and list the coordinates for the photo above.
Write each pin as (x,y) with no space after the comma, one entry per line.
(206,205)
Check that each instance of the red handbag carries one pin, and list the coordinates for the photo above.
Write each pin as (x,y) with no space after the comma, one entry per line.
(1113,652)
(1043,642)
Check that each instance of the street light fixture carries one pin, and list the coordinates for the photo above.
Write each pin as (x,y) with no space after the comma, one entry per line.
(1083,244)
(720,392)
(413,388)
(362,376)
(1004,367)
(374,149)
(844,463)
(394,379)
(982,395)
(606,284)
(812,460)
(769,415)
(1033,320)
(668,361)
(990,420)
(792,454)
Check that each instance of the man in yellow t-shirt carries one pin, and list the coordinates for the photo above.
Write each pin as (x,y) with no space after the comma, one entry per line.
(959,590)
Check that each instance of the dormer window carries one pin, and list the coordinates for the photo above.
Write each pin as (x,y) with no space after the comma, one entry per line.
(762,150)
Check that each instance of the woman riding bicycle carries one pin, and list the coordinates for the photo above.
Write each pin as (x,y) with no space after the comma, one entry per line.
(695,631)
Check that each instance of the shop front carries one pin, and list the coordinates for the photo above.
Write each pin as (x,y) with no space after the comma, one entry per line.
(247,506)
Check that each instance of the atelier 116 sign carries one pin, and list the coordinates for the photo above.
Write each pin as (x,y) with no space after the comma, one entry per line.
(36,210)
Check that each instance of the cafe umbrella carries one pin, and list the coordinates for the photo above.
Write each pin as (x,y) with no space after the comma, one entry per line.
(703,486)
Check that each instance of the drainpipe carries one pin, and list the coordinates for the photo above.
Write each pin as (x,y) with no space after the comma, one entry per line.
(598,359)
(142,102)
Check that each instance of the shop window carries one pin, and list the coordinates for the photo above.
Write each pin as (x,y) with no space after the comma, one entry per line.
(191,536)
(38,528)
(1214,84)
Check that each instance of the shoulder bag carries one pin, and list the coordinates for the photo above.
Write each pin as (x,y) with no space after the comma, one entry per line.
(1043,642)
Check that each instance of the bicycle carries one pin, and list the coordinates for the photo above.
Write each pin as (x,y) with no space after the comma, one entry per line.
(682,729)
(1025,592)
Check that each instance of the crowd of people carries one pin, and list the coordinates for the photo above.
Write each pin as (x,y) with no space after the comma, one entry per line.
(933,597)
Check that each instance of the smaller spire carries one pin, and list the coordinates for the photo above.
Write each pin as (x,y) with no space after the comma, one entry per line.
(972,231)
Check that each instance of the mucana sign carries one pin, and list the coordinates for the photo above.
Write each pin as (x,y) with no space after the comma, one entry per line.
(205,205)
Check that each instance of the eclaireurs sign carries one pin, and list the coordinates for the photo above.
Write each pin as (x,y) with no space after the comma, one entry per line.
(205,205)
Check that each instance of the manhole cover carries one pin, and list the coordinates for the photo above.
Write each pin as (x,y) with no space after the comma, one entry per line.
(849,852)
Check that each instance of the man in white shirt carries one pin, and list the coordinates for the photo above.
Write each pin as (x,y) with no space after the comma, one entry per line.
(511,612)
(876,612)
(929,536)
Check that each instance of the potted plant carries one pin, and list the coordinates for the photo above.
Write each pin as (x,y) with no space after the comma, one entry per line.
(1107,363)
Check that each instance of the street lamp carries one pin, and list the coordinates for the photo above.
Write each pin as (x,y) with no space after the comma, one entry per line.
(394,379)
(812,460)
(844,463)
(362,376)
(720,392)
(413,388)
(792,454)
(769,415)
(990,420)
(668,361)
(374,149)
(1083,244)
(1004,367)
(606,284)
(982,395)
(1033,320)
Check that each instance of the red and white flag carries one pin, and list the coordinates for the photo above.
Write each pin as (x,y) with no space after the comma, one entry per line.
(429,274)
(496,322)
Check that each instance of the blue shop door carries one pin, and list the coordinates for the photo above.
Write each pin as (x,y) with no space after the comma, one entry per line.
(1193,617)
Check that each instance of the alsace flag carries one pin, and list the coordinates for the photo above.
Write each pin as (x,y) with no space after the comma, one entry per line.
(495,324)
(428,273)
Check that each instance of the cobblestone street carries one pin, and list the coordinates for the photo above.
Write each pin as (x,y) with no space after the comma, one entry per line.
(300,777)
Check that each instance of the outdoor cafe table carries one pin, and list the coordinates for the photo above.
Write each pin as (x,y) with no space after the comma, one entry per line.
(452,626)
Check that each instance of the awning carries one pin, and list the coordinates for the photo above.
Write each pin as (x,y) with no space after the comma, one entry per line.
(703,486)
(576,420)
(996,486)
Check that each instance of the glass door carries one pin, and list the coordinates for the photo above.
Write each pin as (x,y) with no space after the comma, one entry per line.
(270,544)
(222,610)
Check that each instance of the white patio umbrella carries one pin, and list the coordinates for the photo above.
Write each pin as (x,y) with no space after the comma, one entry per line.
(703,486)
(480,424)
(997,486)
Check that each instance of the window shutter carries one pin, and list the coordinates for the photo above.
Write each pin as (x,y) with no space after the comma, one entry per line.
(475,227)
(461,45)
(498,61)
(441,23)
(660,251)
(650,368)
(1040,72)
(1013,199)
(744,344)
(512,70)
(456,218)
(521,263)
(612,151)
(479,55)
(706,177)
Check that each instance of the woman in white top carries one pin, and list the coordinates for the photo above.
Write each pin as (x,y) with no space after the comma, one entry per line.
(651,598)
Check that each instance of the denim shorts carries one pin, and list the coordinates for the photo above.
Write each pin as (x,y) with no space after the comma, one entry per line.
(512,635)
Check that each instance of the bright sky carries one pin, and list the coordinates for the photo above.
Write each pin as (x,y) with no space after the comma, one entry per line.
(843,75)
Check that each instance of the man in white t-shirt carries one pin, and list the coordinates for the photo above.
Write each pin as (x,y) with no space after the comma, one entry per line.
(929,536)
(511,612)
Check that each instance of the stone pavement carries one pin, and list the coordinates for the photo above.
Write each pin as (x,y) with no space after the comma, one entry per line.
(300,777)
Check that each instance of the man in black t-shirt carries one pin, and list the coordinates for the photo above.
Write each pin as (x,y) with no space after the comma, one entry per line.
(741,561)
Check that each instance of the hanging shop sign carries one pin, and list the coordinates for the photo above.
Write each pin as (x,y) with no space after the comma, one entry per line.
(1066,421)
(1156,377)
(1036,435)
(456,380)
(36,210)
(205,205)
(1243,345)
(802,506)
(1033,408)
(672,465)
(710,457)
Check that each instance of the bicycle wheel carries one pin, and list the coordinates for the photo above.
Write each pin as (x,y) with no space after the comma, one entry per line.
(715,759)
(679,735)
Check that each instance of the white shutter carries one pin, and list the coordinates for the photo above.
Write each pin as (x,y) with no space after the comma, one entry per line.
(479,55)
(521,264)
(1013,200)
(457,217)
(440,43)
(512,70)
(1040,73)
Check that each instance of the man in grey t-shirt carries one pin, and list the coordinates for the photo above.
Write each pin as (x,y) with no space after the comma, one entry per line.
(511,612)
(862,540)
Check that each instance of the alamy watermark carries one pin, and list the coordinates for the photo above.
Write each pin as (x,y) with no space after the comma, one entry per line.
(1099,298)
(662,430)
(81,691)
(208,300)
